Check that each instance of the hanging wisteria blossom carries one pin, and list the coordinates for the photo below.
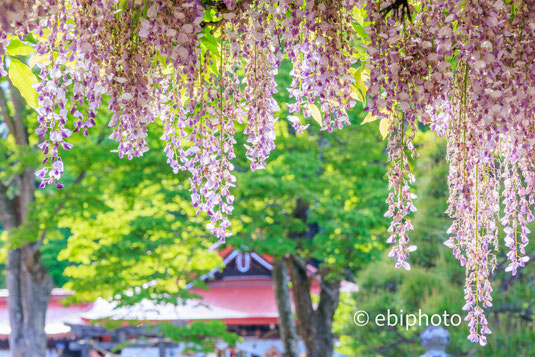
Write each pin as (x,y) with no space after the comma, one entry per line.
(468,70)
(205,68)
(161,59)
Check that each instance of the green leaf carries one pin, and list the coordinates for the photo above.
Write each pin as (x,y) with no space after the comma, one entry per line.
(384,127)
(18,48)
(369,118)
(210,42)
(209,15)
(22,77)
(43,59)
(316,114)
(359,29)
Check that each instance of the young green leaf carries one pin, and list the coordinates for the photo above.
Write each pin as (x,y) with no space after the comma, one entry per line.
(369,118)
(22,77)
(41,59)
(316,114)
(384,126)
(210,42)
(18,48)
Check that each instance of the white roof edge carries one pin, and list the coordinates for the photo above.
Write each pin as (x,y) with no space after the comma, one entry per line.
(262,261)
(229,257)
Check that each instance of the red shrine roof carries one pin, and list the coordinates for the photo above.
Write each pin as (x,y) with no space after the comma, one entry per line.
(254,298)
(239,294)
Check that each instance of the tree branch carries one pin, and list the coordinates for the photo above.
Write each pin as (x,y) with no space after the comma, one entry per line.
(523,313)
(7,209)
(302,264)
(5,114)
(329,299)
(221,8)
(18,102)
(300,286)
(287,327)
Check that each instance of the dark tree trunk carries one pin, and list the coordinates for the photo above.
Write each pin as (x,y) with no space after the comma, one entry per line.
(287,326)
(29,286)
(315,324)
(28,281)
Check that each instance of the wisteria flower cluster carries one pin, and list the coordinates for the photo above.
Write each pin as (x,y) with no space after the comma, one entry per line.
(202,68)
(206,69)
(468,70)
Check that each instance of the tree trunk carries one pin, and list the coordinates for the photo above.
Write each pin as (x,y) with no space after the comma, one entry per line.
(287,326)
(29,286)
(28,281)
(315,325)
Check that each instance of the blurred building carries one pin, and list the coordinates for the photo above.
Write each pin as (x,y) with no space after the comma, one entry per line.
(240,294)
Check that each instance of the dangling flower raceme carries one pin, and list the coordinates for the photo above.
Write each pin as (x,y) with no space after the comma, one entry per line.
(466,70)
(463,68)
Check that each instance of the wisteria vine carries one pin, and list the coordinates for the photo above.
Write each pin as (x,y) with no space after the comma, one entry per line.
(206,68)
(467,69)
(161,59)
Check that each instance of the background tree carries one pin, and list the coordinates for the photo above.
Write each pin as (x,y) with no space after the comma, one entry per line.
(83,103)
(133,236)
(127,241)
(27,278)
(433,284)
(308,210)
(132,229)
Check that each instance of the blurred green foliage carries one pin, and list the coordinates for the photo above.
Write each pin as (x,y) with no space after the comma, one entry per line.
(125,230)
(435,284)
(121,230)
(337,177)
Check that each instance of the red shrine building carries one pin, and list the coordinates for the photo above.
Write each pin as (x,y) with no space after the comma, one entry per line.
(240,294)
